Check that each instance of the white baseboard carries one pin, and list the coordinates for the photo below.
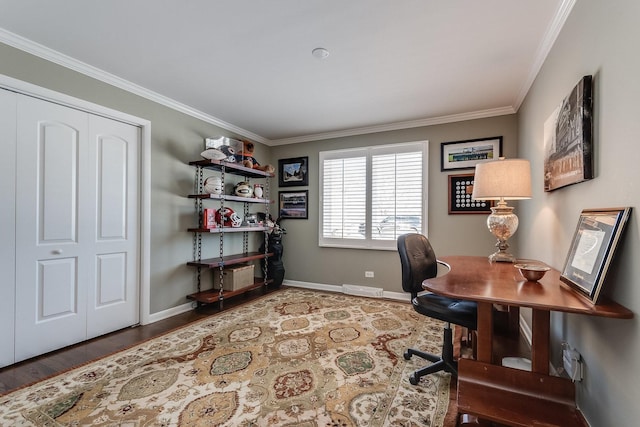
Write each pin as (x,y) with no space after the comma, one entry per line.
(362,291)
(399,296)
(165,314)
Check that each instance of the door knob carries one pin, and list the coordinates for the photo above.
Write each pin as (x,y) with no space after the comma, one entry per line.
(57,252)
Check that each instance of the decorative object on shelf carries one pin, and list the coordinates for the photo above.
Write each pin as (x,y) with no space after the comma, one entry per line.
(251,220)
(293,204)
(568,139)
(228,146)
(532,271)
(293,172)
(243,189)
(460,200)
(503,179)
(592,249)
(209,218)
(258,190)
(213,154)
(213,185)
(234,278)
(467,154)
(219,141)
(228,218)
(249,161)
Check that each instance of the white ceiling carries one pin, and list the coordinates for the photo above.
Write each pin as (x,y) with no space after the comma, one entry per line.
(247,65)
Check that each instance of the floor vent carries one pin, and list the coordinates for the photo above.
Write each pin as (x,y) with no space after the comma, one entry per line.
(362,291)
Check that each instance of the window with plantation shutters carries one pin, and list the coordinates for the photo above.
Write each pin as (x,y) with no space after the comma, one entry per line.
(370,196)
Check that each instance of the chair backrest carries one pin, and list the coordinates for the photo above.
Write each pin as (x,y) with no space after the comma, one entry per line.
(418,261)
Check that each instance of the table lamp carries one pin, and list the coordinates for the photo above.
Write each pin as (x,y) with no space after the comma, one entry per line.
(503,179)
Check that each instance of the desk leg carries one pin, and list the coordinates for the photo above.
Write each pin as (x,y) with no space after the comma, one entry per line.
(540,341)
(485,332)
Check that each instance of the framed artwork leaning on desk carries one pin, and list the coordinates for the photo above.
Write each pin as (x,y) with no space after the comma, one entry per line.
(592,249)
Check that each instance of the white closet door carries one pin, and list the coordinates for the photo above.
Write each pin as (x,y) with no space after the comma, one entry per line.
(7,224)
(113,299)
(52,255)
(77,226)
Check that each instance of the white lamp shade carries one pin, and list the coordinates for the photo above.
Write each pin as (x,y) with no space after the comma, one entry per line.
(506,179)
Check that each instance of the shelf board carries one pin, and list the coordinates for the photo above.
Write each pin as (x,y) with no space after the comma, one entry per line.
(220,230)
(229,260)
(228,197)
(233,167)
(213,295)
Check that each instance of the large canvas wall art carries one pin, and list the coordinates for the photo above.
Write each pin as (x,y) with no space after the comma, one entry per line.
(568,139)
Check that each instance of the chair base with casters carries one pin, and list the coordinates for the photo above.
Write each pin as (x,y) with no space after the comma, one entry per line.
(451,311)
(418,262)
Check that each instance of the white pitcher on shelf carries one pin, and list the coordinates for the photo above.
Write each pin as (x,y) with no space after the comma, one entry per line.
(258,190)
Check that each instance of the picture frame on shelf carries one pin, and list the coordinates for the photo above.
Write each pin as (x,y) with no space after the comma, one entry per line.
(460,201)
(568,139)
(467,154)
(293,204)
(293,172)
(592,249)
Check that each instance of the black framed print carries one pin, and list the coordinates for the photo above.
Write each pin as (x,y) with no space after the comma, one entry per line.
(568,139)
(293,172)
(460,200)
(467,154)
(592,249)
(293,204)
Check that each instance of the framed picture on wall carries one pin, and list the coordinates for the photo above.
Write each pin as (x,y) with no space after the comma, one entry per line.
(460,201)
(592,248)
(568,139)
(293,204)
(293,172)
(467,154)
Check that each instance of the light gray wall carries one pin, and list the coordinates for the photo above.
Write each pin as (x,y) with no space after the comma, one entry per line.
(449,234)
(176,139)
(601,39)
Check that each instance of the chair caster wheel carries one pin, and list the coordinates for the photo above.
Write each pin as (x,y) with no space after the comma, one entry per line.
(407,355)
(413,380)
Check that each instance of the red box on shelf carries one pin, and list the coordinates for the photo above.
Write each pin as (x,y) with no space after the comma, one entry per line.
(209,218)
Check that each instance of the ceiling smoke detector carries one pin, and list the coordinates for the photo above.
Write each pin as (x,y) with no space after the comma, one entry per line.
(320,53)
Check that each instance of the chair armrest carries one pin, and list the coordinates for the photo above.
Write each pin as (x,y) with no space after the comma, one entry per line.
(443,268)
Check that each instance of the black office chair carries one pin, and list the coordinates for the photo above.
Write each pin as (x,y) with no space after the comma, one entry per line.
(419,262)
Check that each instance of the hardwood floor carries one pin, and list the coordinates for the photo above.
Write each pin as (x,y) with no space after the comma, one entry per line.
(47,365)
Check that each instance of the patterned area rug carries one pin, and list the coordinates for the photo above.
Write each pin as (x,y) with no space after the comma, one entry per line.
(291,358)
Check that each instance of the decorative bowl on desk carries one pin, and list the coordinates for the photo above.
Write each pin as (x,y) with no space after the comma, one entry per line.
(532,271)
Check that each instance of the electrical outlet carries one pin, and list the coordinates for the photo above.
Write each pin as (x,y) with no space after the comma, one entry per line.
(572,362)
(368,274)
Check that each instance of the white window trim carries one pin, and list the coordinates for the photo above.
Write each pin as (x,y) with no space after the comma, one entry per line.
(371,244)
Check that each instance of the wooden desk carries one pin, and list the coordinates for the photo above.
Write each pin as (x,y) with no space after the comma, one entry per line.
(507,395)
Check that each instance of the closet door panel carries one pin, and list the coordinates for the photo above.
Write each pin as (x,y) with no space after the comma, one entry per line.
(52,261)
(113,300)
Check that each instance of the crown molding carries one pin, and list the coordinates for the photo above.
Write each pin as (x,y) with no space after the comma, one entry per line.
(502,111)
(66,61)
(549,39)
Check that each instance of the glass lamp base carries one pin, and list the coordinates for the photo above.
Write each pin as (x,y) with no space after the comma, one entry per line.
(502,223)
(501,256)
